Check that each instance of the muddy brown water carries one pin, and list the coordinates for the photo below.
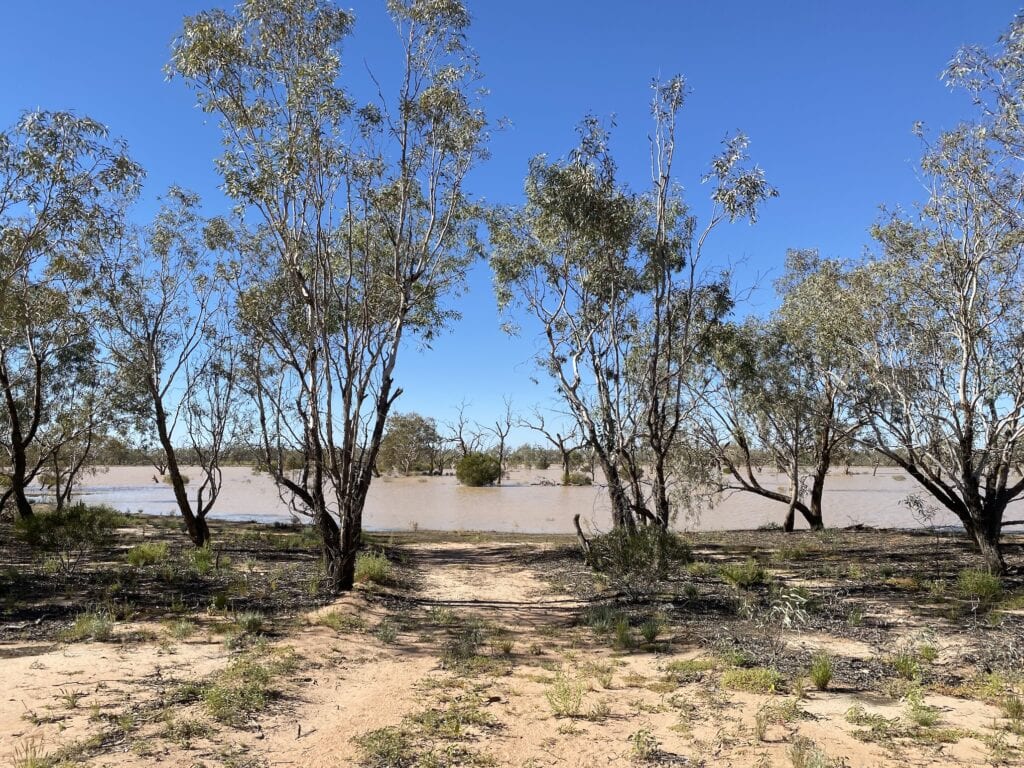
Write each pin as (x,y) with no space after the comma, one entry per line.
(523,504)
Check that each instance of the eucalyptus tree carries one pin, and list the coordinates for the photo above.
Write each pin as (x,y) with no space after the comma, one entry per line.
(619,286)
(411,443)
(946,362)
(785,388)
(162,313)
(359,227)
(64,186)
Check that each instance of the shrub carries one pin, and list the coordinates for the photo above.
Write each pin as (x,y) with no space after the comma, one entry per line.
(148,553)
(645,745)
(688,670)
(478,469)
(576,478)
(387,748)
(373,568)
(821,671)
(979,585)
(565,696)
(250,622)
(90,625)
(204,559)
(744,575)
(651,628)
(636,562)
(755,680)
(804,753)
(70,533)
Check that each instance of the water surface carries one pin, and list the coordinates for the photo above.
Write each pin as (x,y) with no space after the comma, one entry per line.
(522,504)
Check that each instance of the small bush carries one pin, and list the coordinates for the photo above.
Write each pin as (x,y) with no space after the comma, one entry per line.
(565,696)
(920,713)
(906,665)
(744,575)
(688,670)
(651,628)
(1013,708)
(821,671)
(387,748)
(149,553)
(979,585)
(645,745)
(250,622)
(70,533)
(755,680)
(245,686)
(623,634)
(804,753)
(477,469)
(90,625)
(636,562)
(202,560)
(576,479)
(341,622)
(386,631)
(373,568)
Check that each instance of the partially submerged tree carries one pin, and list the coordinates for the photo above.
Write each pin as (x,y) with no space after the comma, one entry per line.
(501,429)
(946,364)
(411,443)
(361,227)
(617,284)
(784,389)
(566,444)
(64,186)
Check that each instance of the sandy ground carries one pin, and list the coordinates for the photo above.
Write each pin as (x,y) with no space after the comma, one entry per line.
(351,681)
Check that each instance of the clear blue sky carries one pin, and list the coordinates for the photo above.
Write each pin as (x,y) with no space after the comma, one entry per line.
(827,91)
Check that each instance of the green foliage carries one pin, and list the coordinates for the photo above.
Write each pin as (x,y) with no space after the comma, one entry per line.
(980,586)
(644,745)
(744,575)
(477,469)
(623,640)
(804,753)
(70,533)
(374,568)
(250,622)
(246,685)
(753,680)
(411,444)
(906,664)
(147,553)
(637,562)
(93,624)
(651,628)
(565,695)
(203,559)
(342,622)
(576,479)
(386,631)
(688,670)
(388,747)
(821,671)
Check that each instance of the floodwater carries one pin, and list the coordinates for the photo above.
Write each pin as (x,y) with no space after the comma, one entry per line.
(523,504)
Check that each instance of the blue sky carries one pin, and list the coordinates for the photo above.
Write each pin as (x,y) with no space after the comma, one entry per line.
(827,92)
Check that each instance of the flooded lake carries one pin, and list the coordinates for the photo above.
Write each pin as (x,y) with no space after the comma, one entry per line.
(522,504)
